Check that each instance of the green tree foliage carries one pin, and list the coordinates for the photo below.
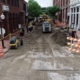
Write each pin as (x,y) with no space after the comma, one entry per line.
(30,2)
(51,11)
(34,8)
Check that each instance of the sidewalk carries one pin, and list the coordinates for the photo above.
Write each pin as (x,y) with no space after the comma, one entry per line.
(6,44)
(6,41)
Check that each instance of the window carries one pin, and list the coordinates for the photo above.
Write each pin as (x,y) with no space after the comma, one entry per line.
(66,2)
(9,15)
(2,0)
(71,17)
(63,13)
(66,12)
(71,10)
(77,19)
(74,9)
(74,18)
(24,7)
(8,1)
(12,2)
(17,3)
(61,4)
(77,9)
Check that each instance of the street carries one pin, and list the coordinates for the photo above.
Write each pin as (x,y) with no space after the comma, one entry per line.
(40,59)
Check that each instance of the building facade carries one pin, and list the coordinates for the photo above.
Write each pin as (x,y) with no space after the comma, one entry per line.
(74,20)
(64,6)
(15,13)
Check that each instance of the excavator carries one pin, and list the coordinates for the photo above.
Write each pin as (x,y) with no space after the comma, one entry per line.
(47,23)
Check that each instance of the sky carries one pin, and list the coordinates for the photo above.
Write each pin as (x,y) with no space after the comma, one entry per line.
(44,3)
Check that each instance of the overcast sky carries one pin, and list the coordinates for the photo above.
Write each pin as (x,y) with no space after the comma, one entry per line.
(44,3)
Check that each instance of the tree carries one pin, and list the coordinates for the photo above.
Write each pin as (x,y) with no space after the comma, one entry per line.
(30,2)
(51,11)
(34,8)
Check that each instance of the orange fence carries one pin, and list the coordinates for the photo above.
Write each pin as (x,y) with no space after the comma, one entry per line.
(1,52)
(10,35)
(60,24)
(74,44)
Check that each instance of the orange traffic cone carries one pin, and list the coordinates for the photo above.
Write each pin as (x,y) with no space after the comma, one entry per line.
(79,45)
(1,52)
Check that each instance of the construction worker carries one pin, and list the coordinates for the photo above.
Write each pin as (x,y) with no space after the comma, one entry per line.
(30,27)
(22,32)
(67,29)
(73,34)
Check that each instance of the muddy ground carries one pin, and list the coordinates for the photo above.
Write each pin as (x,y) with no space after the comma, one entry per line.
(40,59)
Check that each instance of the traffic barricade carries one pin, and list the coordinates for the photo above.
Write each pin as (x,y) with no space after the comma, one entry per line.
(74,44)
(1,52)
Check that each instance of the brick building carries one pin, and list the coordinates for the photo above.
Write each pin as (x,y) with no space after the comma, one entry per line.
(75,14)
(74,20)
(15,13)
(63,14)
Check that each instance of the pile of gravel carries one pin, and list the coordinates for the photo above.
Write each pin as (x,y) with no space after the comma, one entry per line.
(59,37)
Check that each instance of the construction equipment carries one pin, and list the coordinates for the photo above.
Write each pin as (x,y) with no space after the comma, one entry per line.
(15,42)
(47,19)
(74,47)
(50,21)
(46,27)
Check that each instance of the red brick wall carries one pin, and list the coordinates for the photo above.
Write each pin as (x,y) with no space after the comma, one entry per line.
(62,16)
(21,2)
(13,17)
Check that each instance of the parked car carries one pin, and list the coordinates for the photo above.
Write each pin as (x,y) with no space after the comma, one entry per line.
(15,42)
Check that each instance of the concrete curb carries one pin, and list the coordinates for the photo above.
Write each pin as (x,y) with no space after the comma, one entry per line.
(6,51)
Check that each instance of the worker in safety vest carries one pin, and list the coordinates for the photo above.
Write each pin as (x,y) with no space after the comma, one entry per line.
(30,27)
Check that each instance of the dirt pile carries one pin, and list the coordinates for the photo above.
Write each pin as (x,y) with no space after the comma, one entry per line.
(59,37)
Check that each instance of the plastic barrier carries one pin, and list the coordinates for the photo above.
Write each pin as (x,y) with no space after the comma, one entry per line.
(1,52)
(73,45)
(10,35)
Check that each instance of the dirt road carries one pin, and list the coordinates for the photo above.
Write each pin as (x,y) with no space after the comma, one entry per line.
(40,59)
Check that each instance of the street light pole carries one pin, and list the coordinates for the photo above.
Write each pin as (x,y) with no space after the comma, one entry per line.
(2,35)
(27,21)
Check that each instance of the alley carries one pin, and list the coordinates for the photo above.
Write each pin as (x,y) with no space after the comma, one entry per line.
(40,59)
